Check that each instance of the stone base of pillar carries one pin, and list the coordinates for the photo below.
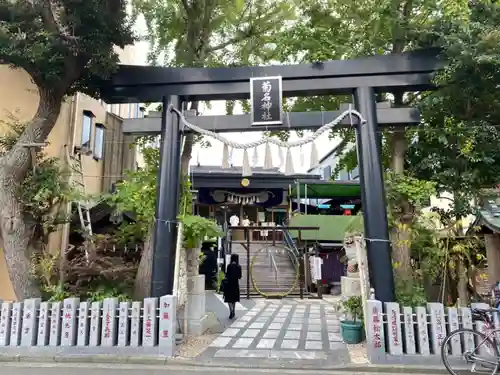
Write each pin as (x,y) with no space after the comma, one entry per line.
(197,320)
(350,286)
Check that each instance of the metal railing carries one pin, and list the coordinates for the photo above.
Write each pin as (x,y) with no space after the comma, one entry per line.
(293,251)
(275,266)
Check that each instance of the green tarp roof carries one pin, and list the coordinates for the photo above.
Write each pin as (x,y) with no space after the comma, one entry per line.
(332,227)
(326,189)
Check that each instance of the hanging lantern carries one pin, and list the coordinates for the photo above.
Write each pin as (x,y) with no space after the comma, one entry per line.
(347,209)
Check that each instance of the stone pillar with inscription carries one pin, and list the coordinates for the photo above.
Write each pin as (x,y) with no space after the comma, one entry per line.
(5,320)
(109,331)
(83,324)
(95,324)
(43,324)
(167,325)
(55,324)
(29,324)
(455,344)
(15,324)
(466,319)
(196,314)
(69,326)
(123,323)
(375,338)
(135,324)
(394,324)
(149,322)
(409,329)
(422,331)
(437,325)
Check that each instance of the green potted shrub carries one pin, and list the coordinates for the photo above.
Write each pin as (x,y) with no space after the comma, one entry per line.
(352,327)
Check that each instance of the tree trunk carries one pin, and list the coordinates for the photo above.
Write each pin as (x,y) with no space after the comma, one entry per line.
(401,238)
(182,282)
(463,279)
(399,146)
(17,233)
(401,241)
(142,283)
(193,262)
(187,151)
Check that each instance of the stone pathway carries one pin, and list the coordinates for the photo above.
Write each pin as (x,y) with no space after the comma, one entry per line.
(283,330)
(239,306)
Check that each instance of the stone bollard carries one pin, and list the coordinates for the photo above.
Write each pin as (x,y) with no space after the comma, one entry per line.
(196,313)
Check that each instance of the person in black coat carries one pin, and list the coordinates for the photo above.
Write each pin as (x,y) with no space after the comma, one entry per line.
(209,265)
(232,285)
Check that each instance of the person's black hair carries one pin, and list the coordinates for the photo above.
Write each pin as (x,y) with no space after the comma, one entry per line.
(235,258)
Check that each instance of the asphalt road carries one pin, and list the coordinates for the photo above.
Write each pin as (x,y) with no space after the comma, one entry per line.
(99,369)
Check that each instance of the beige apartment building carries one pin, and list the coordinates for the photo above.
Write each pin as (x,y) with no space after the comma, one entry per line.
(85,126)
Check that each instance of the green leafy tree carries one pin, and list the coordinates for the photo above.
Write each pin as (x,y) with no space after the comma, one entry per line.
(208,33)
(199,33)
(137,194)
(65,46)
(458,146)
(336,29)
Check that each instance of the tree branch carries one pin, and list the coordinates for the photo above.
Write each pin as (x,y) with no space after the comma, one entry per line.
(447,198)
(185,5)
(51,15)
(252,30)
(243,35)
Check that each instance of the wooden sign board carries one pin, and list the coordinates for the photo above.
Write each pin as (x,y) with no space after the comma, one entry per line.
(266,99)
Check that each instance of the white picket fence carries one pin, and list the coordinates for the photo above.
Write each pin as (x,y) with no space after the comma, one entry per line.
(72,322)
(398,331)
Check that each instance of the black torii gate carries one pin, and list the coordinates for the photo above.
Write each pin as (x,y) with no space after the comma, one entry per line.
(362,78)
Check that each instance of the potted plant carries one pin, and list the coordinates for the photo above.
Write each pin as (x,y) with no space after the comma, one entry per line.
(352,327)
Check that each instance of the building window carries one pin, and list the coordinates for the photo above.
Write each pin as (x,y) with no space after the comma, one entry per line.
(87,128)
(138,111)
(355,174)
(99,142)
(343,175)
(327,173)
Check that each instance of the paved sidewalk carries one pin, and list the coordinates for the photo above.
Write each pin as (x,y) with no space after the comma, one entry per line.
(119,369)
(283,330)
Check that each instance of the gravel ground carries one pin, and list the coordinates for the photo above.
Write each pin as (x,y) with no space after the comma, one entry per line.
(193,346)
(357,352)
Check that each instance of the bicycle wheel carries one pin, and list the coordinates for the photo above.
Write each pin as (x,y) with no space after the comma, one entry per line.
(484,353)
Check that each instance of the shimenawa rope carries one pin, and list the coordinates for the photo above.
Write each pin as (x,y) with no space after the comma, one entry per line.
(247,169)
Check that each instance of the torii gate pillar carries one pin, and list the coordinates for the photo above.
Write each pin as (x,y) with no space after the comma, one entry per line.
(167,202)
(373,197)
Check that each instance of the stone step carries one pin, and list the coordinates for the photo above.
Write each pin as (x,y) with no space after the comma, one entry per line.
(263,272)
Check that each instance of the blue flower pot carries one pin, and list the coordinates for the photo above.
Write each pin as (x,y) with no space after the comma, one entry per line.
(352,332)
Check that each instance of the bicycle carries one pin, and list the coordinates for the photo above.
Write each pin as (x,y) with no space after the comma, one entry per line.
(480,348)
